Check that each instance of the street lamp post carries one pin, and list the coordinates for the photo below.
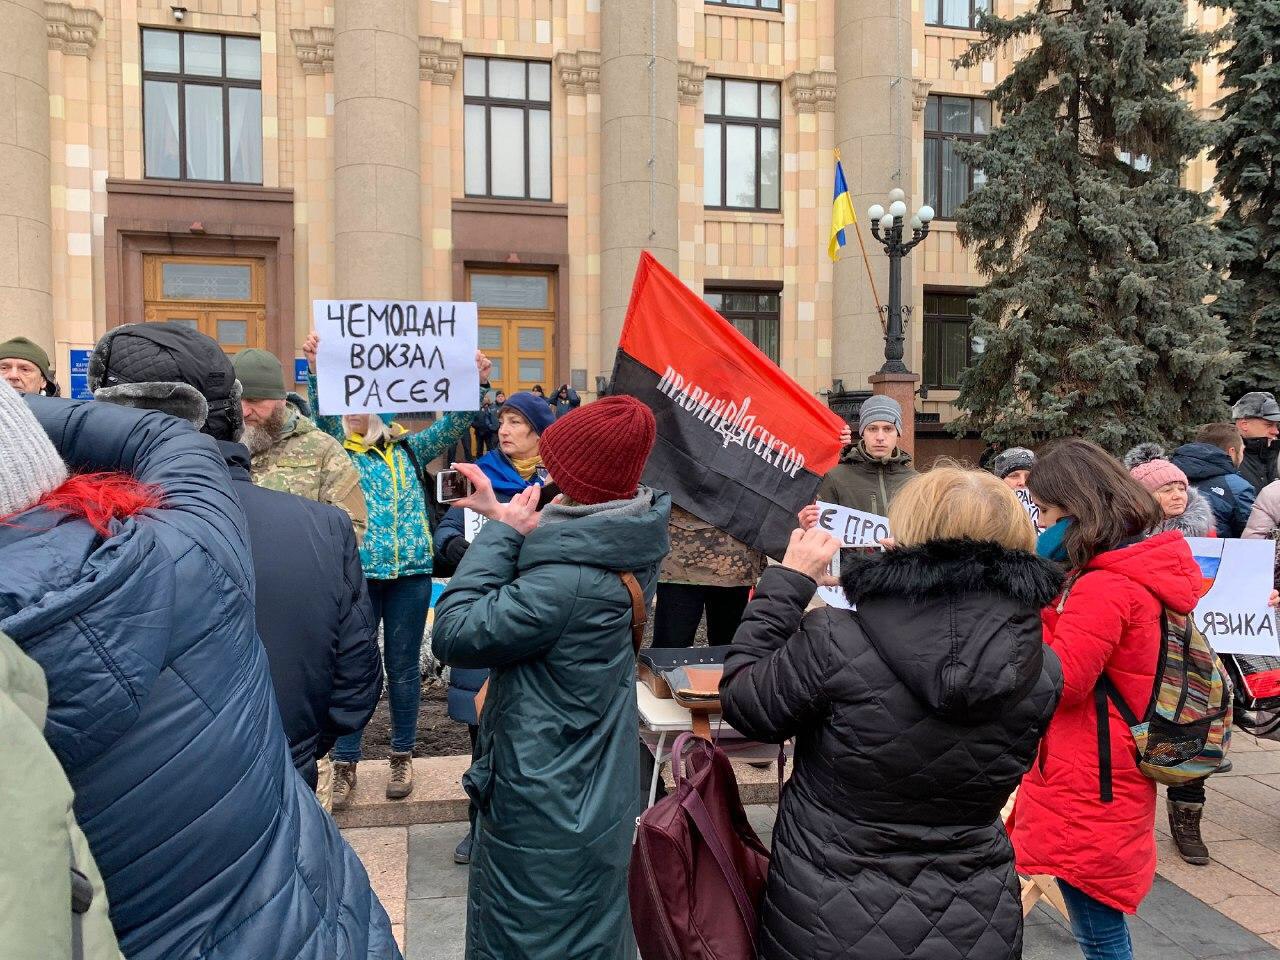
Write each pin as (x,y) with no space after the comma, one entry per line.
(887,227)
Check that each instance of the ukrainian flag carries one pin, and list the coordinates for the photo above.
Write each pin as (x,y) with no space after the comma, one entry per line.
(842,214)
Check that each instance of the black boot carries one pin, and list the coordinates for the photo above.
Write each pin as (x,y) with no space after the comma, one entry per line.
(1184,824)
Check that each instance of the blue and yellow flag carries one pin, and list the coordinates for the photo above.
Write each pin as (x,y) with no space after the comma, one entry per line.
(842,214)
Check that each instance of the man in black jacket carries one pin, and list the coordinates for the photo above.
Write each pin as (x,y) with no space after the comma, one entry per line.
(312,605)
(1258,417)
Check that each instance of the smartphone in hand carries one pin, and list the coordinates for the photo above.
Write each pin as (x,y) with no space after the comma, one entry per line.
(452,486)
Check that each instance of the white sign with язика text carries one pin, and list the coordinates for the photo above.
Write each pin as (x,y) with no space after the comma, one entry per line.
(395,356)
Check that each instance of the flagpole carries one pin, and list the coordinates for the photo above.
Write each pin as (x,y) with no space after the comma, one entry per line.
(866,260)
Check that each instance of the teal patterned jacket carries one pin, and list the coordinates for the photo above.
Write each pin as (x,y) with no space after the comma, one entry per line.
(398,542)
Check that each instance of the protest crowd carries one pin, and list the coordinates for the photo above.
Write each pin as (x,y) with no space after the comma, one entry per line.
(210,581)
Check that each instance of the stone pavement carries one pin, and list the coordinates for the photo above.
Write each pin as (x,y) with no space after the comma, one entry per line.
(1227,909)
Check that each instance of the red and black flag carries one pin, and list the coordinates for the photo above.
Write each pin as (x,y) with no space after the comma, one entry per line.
(740,444)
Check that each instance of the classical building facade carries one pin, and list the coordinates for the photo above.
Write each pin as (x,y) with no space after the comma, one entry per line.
(226,162)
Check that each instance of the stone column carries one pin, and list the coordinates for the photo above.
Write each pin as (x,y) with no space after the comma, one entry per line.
(873,135)
(26,256)
(639,195)
(377,176)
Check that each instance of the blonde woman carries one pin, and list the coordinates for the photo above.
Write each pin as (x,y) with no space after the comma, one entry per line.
(914,718)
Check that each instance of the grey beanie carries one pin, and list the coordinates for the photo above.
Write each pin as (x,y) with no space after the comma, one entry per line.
(879,409)
(29,465)
(1015,458)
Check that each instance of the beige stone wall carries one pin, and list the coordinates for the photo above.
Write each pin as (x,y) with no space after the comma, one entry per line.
(95,132)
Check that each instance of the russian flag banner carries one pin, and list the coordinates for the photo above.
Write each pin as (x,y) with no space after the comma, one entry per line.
(740,444)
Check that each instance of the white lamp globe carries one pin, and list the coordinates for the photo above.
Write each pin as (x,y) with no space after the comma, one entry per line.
(926,213)
(898,208)
(897,194)
(886,222)
(875,212)
(916,222)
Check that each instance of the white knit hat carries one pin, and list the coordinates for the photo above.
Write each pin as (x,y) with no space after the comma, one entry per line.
(29,465)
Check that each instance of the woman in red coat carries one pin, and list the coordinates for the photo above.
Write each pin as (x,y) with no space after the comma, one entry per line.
(1102,849)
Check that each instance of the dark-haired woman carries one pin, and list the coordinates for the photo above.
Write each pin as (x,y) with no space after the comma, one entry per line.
(1090,824)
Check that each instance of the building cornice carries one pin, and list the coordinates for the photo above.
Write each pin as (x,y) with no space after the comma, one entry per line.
(579,71)
(691,77)
(812,91)
(72,30)
(439,60)
(314,48)
(920,95)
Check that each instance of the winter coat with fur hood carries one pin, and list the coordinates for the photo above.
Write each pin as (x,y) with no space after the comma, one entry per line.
(914,718)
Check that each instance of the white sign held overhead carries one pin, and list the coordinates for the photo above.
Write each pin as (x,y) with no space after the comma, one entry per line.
(1237,580)
(395,356)
(853,528)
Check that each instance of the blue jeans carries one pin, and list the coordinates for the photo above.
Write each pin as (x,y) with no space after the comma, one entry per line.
(401,606)
(1100,930)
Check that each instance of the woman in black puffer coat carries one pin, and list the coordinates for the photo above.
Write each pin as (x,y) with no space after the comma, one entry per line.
(914,717)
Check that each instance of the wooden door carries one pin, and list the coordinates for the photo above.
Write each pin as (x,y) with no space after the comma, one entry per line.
(222,297)
(517,326)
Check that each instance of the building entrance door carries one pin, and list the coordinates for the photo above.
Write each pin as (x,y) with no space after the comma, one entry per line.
(222,297)
(517,326)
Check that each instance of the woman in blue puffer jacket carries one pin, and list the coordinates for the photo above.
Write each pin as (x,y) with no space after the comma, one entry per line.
(161,707)
(514,466)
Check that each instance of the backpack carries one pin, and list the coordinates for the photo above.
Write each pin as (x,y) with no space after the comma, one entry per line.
(698,870)
(1256,681)
(1184,731)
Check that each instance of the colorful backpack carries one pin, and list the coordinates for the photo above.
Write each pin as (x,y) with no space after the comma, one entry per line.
(1184,731)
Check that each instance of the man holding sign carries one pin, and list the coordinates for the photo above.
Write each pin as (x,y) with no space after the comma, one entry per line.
(405,359)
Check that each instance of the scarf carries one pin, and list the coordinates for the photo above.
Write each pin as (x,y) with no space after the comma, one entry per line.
(1050,545)
(527,467)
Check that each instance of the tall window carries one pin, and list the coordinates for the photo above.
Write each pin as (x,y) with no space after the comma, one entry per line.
(507,128)
(741,144)
(948,340)
(201,106)
(954,13)
(948,180)
(755,313)
(750,4)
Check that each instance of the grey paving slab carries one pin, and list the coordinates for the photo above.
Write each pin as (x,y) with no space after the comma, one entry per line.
(1198,928)
(435,928)
(432,872)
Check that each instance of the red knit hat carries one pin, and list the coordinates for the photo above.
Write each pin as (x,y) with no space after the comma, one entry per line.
(597,452)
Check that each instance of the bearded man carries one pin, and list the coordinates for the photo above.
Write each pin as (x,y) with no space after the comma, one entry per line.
(290,453)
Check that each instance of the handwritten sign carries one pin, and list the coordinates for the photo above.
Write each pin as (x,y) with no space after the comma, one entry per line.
(471,523)
(853,528)
(395,356)
(1029,505)
(1236,580)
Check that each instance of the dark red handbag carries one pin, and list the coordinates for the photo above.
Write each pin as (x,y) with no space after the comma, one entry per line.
(698,870)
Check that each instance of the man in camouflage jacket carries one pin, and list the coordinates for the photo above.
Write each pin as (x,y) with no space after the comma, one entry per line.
(290,453)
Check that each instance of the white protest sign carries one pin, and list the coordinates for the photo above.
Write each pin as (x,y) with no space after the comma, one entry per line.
(471,523)
(395,356)
(853,528)
(1233,612)
(1029,505)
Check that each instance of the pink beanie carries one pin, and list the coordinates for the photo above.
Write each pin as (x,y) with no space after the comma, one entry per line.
(1154,474)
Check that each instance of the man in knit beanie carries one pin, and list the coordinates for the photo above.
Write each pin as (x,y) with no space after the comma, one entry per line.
(546,596)
(25,367)
(871,471)
(30,467)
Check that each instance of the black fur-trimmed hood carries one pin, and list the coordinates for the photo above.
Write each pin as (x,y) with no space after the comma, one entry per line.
(944,567)
(957,621)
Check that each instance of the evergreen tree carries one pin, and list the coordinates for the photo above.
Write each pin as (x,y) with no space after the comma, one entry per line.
(1248,178)
(1094,322)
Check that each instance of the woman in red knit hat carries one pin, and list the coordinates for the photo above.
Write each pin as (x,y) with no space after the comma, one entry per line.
(539,599)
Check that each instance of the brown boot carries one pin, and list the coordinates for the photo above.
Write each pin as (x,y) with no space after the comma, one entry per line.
(344,784)
(1184,824)
(401,783)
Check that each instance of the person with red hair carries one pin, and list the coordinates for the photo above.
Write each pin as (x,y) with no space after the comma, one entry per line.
(127,577)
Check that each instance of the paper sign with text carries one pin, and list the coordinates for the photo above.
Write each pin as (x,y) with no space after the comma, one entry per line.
(1236,582)
(471,523)
(853,528)
(1029,505)
(395,356)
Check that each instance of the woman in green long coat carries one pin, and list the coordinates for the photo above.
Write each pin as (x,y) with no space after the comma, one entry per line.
(538,599)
